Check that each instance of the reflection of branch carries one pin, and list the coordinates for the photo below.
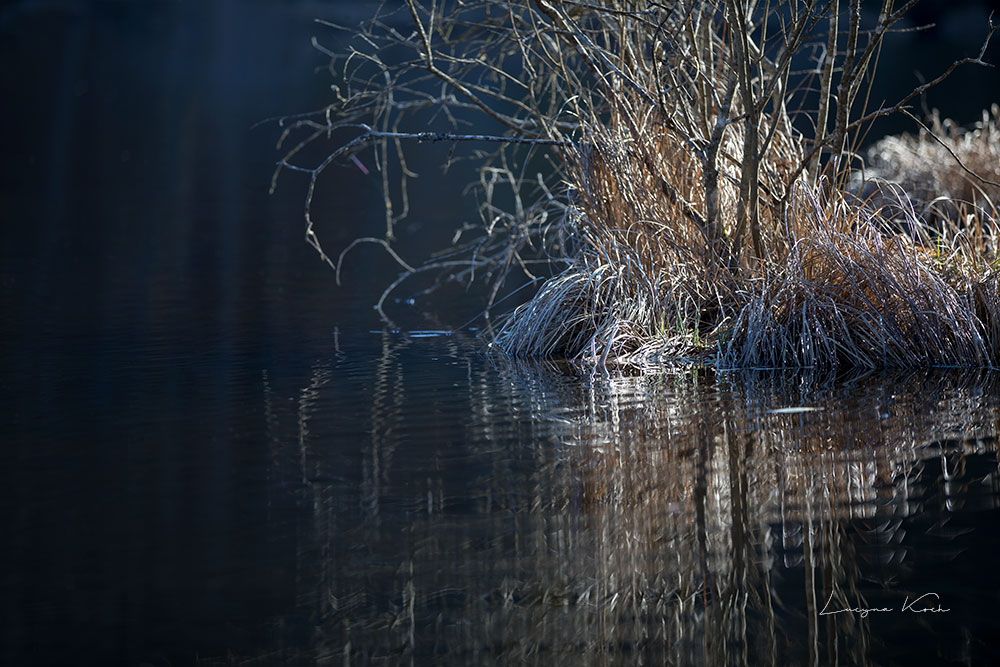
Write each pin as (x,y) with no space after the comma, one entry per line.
(578,531)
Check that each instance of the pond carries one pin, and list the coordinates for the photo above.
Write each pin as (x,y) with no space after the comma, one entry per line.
(411,498)
(212,455)
(462,508)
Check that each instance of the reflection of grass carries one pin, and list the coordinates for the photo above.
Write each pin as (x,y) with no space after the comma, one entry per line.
(690,216)
(671,519)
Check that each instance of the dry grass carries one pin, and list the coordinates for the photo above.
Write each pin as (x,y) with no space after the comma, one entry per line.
(948,172)
(693,220)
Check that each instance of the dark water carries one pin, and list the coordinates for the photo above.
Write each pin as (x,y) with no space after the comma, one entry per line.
(210,454)
(490,512)
(408,499)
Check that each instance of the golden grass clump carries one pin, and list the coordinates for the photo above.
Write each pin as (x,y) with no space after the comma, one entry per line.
(680,213)
(947,171)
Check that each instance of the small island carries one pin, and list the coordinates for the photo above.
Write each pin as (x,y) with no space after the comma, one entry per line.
(682,182)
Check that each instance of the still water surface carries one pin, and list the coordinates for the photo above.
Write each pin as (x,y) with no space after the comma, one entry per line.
(456,507)
(409,498)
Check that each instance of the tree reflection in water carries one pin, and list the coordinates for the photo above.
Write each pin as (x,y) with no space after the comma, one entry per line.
(491,511)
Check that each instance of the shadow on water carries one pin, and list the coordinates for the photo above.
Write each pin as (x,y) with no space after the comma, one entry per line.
(682,518)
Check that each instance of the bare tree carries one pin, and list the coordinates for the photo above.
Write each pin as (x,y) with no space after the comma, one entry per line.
(673,158)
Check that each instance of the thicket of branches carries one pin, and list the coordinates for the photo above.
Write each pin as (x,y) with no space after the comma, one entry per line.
(689,166)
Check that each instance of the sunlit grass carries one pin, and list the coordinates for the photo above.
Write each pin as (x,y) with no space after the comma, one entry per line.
(686,214)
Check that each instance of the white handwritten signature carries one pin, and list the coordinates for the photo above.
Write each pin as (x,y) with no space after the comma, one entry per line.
(919,605)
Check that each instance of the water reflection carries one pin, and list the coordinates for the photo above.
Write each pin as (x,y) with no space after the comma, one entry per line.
(478,510)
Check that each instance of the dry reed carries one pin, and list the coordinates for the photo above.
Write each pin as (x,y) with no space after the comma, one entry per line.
(690,217)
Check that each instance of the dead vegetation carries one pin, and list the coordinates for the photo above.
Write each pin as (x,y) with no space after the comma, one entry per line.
(948,172)
(686,212)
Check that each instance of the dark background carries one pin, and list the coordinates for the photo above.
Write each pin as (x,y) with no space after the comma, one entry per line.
(146,281)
